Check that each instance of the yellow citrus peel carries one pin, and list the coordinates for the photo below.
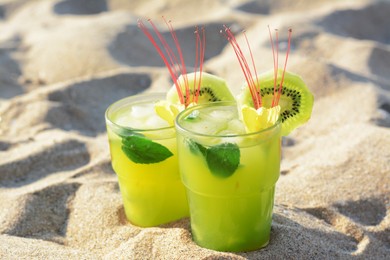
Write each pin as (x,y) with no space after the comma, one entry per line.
(168,111)
(262,118)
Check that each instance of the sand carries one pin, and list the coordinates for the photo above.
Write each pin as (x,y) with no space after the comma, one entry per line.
(63,62)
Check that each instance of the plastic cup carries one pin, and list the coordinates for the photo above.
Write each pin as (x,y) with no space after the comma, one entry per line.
(150,184)
(228,211)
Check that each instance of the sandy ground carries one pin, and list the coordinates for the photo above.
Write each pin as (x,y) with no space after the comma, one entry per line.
(63,62)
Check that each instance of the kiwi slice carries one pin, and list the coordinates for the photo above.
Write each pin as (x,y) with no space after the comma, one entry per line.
(212,89)
(296,100)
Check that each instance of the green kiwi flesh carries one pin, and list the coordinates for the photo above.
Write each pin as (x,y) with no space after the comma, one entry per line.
(212,89)
(296,100)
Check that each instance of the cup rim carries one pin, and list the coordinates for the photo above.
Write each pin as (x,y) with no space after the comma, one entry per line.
(218,103)
(134,99)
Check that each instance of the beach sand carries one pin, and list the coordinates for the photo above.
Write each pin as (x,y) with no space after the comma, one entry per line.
(63,62)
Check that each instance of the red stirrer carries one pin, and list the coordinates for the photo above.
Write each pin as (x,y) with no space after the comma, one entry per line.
(176,65)
(256,93)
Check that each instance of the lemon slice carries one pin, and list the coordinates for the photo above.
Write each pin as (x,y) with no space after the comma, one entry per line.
(262,118)
(168,111)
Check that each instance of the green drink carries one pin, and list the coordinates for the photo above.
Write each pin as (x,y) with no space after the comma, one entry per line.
(144,157)
(229,175)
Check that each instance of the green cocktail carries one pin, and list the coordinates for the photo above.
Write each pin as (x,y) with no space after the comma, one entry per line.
(144,157)
(229,175)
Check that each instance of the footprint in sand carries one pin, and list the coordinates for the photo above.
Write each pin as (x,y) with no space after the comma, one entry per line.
(367,212)
(45,213)
(4,146)
(65,156)
(81,106)
(10,70)
(368,23)
(382,115)
(379,62)
(132,38)
(287,229)
(354,218)
(77,7)
(255,7)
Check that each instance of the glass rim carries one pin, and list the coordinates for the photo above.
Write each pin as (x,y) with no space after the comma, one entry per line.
(187,111)
(135,99)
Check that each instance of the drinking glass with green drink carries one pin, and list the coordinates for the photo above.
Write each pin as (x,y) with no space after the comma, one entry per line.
(229,156)
(229,175)
(144,157)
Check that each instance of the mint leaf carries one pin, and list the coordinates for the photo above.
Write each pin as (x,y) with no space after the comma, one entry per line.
(195,147)
(140,149)
(223,159)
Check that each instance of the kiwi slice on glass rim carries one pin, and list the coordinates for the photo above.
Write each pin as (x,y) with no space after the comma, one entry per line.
(272,95)
(211,89)
(296,100)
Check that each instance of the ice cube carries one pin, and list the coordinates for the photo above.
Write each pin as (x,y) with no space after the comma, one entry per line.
(204,125)
(236,126)
(142,111)
(219,114)
(140,116)
(154,121)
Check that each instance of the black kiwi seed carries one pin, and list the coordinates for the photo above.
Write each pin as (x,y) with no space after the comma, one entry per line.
(206,93)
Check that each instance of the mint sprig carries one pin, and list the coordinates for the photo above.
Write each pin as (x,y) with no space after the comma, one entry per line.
(222,159)
(140,149)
